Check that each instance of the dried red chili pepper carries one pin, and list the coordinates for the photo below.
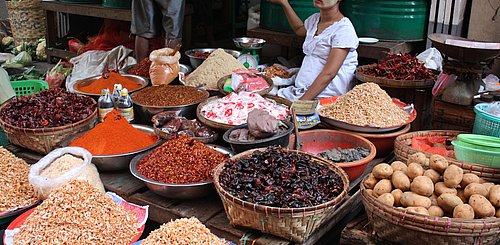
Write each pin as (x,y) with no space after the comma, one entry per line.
(400,67)
(181,161)
(141,69)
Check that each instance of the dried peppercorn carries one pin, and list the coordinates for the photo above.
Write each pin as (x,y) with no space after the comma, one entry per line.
(168,95)
(47,109)
(280,178)
(181,161)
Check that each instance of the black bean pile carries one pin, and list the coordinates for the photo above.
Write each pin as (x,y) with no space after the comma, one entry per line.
(338,155)
(47,109)
(281,179)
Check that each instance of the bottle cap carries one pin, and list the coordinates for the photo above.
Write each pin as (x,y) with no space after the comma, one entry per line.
(104,91)
(118,86)
(124,92)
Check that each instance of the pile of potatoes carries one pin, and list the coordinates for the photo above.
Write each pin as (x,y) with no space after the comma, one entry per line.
(431,186)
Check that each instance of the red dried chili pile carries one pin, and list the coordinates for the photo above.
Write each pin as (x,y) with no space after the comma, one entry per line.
(181,161)
(400,67)
(141,69)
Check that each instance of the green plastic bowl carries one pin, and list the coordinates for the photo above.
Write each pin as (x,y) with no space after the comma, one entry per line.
(82,1)
(480,140)
(483,155)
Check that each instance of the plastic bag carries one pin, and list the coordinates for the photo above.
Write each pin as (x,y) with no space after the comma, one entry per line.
(247,80)
(494,109)
(21,60)
(253,17)
(491,83)
(432,59)
(6,90)
(44,185)
(92,63)
(164,66)
(442,82)
(57,74)
(460,92)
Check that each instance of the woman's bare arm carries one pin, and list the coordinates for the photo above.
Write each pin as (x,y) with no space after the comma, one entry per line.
(334,62)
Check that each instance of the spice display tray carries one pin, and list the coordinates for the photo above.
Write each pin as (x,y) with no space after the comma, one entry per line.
(209,210)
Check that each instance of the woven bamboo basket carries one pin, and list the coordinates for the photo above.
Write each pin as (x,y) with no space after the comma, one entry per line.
(27,20)
(392,83)
(403,149)
(44,140)
(295,224)
(223,126)
(399,226)
(222,82)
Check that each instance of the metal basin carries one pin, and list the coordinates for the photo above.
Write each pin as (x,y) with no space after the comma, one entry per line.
(176,191)
(118,161)
(144,113)
(196,61)
(249,42)
(182,68)
(137,79)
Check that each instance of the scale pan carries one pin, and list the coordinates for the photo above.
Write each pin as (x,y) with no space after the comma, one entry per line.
(459,48)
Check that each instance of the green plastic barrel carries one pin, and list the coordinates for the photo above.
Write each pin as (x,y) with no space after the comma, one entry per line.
(118,4)
(388,19)
(273,18)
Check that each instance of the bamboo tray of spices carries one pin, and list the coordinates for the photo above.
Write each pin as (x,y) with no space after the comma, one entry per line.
(392,83)
(223,126)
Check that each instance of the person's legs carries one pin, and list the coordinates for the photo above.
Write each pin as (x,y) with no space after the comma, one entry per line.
(173,16)
(141,48)
(143,26)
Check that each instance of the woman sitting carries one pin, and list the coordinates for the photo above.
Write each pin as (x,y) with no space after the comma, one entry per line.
(330,52)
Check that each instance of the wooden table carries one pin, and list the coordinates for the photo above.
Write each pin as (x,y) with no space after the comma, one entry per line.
(210,211)
(93,10)
(375,51)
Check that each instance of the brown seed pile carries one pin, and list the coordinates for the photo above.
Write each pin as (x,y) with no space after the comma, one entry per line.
(366,105)
(168,95)
(15,189)
(78,213)
(183,231)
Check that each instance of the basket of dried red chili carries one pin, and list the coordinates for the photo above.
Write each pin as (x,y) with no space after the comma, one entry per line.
(398,71)
(180,168)
(279,191)
(40,122)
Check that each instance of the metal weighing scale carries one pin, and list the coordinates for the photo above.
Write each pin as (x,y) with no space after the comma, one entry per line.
(465,58)
(249,46)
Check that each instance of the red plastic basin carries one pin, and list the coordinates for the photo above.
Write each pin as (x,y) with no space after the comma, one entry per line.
(384,142)
(316,141)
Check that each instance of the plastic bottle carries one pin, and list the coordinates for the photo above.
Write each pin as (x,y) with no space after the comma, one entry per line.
(105,104)
(125,106)
(117,88)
